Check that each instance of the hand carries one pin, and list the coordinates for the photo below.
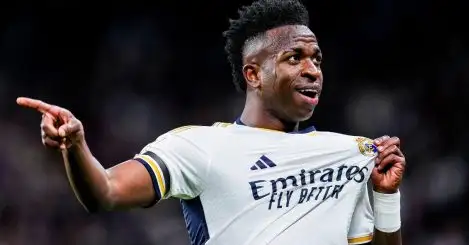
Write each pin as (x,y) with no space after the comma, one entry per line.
(390,165)
(59,128)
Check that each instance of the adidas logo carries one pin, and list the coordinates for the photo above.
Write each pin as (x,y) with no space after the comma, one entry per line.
(263,162)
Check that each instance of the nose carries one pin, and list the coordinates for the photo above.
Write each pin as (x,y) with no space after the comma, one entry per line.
(311,70)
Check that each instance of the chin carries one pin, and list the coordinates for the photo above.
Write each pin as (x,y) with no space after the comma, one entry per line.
(298,113)
(308,114)
(306,118)
(303,116)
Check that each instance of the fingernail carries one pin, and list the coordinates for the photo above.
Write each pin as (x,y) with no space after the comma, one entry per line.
(380,148)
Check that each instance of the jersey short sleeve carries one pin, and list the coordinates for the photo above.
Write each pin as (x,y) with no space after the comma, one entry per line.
(362,223)
(176,163)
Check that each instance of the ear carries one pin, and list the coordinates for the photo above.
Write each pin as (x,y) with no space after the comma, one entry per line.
(251,73)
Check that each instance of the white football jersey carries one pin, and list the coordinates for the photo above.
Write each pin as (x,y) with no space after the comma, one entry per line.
(249,186)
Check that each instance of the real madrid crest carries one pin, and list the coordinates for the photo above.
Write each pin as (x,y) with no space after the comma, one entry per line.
(366,146)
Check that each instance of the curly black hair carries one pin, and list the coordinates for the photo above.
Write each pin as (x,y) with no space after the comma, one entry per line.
(256,19)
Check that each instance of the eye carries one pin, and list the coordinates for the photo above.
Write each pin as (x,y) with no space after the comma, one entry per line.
(294,59)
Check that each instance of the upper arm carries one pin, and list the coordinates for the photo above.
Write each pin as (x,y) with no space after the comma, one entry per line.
(362,223)
(130,185)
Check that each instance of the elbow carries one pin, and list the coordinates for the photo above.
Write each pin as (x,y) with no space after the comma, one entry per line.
(106,201)
(105,204)
(108,204)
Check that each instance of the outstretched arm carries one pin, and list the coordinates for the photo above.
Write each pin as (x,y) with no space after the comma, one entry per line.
(125,185)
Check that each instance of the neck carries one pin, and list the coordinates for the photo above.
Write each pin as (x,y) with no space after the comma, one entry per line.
(256,115)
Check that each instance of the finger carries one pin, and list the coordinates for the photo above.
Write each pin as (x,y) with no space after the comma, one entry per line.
(64,130)
(51,142)
(48,126)
(389,142)
(44,108)
(64,115)
(69,128)
(392,149)
(66,143)
(385,164)
(63,145)
(34,104)
(389,161)
(381,139)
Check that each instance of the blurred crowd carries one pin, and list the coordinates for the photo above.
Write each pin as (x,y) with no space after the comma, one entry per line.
(132,73)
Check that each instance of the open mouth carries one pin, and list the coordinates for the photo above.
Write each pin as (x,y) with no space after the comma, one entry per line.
(310,93)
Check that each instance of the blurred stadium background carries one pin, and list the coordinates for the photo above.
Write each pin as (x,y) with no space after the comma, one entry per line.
(131,72)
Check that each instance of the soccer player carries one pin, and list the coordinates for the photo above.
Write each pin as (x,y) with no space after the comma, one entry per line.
(258,180)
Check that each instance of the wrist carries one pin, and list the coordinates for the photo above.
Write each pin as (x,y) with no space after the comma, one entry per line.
(387,211)
(385,191)
(78,146)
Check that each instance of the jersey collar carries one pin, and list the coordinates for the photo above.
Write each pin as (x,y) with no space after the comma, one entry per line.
(303,131)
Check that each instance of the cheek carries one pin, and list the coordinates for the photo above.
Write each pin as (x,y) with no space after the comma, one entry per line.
(268,83)
(285,79)
(269,79)
(277,83)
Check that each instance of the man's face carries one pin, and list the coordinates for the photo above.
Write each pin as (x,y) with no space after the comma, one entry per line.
(290,75)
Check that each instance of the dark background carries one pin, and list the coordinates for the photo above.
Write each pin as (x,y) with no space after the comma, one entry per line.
(131,72)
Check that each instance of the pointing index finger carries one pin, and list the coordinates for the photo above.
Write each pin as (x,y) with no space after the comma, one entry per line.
(39,105)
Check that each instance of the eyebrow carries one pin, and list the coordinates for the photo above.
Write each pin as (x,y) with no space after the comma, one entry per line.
(317,50)
(305,38)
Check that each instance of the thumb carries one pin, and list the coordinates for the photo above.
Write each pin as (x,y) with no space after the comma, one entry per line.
(64,130)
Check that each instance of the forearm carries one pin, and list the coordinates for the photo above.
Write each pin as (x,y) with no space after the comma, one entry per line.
(387,219)
(87,178)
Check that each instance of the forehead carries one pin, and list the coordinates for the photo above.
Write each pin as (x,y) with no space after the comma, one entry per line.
(287,36)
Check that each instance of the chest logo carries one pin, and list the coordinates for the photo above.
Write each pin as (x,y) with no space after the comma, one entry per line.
(366,146)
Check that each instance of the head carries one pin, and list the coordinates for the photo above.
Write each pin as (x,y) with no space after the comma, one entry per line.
(275,58)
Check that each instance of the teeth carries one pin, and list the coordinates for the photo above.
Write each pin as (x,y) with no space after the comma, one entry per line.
(307,90)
